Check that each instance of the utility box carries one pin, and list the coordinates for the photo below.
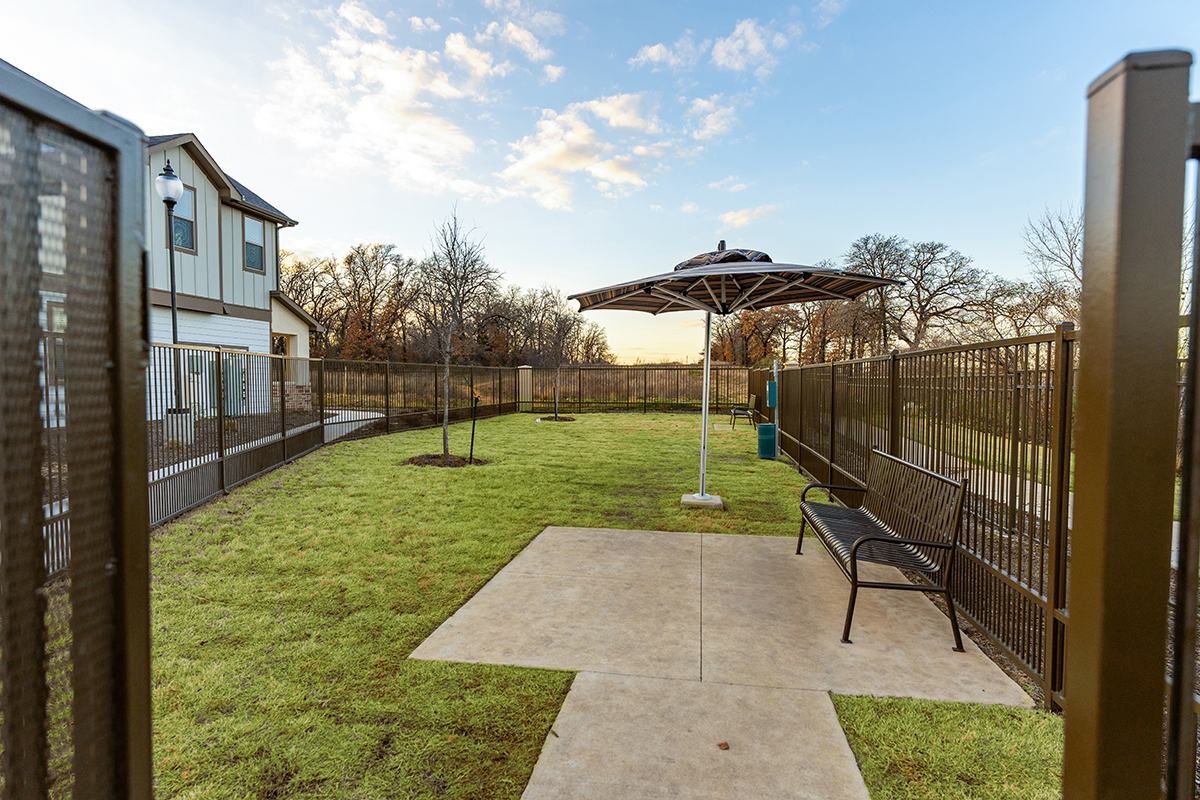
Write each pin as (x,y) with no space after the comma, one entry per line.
(772,394)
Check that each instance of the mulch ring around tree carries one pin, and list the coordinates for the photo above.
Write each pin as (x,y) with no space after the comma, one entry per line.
(552,419)
(439,460)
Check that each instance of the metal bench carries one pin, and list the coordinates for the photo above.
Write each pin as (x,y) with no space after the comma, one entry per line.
(909,519)
(746,411)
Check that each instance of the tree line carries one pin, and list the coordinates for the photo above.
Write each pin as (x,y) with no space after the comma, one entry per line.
(377,304)
(945,299)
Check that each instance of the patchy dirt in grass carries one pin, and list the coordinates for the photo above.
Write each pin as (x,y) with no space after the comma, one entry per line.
(552,419)
(439,460)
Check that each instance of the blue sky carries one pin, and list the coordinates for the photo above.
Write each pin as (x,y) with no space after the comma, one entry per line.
(596,143)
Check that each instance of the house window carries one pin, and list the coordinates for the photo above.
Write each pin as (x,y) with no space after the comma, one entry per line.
(254,244)
(279,344)
(185,221)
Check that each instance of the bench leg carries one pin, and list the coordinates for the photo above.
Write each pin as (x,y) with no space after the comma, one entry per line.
(958,648)
(850,614)
(800,541)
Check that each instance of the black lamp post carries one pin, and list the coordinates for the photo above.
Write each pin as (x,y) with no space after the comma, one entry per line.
(170,189)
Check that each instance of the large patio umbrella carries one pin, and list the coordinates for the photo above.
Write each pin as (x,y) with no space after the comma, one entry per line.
(727,282)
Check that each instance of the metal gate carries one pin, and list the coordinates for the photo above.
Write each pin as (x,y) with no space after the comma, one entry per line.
(76,657)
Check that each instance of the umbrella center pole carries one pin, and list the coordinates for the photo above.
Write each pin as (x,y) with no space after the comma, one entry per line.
(704,403)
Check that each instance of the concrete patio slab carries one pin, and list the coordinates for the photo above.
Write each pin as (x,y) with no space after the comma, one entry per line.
(742,610)
(605,553)
(633,737)
(772,618)
(625,602)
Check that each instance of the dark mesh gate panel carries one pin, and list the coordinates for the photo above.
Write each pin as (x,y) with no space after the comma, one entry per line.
(70,206)
(22,571)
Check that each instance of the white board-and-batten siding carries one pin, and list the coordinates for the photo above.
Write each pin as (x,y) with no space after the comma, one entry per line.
(216,271)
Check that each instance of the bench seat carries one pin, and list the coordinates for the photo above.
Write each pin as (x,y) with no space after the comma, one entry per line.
(909,519)
(838,528)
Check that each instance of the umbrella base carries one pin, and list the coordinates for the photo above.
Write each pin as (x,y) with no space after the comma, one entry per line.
(710,501)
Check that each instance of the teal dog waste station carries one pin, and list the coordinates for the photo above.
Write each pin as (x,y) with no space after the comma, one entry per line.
(766,430)
(766,440)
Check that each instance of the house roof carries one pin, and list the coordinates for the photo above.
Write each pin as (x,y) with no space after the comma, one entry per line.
(232,192)
(298,310)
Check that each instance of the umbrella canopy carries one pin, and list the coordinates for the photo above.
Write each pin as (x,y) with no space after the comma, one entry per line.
(741,280)
(726,282)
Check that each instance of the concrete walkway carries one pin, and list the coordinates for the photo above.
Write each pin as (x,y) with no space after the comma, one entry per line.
(684,641)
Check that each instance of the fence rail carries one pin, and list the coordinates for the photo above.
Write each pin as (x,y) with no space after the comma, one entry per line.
(997,413)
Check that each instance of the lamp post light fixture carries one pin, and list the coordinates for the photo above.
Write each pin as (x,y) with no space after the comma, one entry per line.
(178,420)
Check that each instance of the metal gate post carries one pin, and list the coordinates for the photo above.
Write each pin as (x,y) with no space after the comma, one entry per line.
(1125,450)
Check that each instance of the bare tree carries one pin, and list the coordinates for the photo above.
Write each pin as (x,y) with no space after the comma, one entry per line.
(942,290)
(884,257)
(1054,247)
(454,281)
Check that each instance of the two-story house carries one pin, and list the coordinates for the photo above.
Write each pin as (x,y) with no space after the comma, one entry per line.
(226,259)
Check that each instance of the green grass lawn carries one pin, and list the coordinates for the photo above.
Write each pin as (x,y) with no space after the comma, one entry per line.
(924,750)
(283,614)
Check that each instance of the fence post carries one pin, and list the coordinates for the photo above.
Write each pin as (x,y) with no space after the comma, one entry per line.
(1137,131)
(283,404)
(321,396)
(645,387)
(1060,489)
(387,396)
(524,388)
(894,404)
(832,414)
(221,420)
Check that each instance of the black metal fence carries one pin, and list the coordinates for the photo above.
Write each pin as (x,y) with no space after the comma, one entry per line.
(237,414)
(997,413)
(636,388)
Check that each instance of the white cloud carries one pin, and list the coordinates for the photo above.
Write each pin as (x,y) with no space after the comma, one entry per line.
(749,46)
(564,143)
(689,207)
(623,111)
(712,117)
(546,22)
(561,144)
(552,73)
(480,63)
(681,55)
(359,17)
(525,40)
(656,208)
(739,219)
(359,104)
(421,25)
(729,184)
(690,152)
(828,10)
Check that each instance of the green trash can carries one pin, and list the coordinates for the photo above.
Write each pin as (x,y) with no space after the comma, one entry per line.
(766,440)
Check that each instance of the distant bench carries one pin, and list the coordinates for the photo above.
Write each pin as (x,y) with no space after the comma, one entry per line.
(746,411)
(910,519)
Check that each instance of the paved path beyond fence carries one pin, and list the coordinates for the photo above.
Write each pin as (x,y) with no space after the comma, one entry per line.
(687,640)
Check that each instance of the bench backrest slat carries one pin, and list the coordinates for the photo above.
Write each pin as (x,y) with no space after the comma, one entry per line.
(914,503)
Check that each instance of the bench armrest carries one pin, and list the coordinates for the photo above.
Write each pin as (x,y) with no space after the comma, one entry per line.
(895,540)
(828,486)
